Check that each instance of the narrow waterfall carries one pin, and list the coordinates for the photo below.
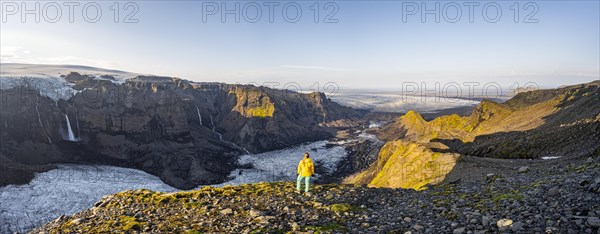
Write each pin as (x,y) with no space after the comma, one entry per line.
(77,122)
(71,136)
(213,129)
(41,124)
(242,148)
(221,137)
(199,116)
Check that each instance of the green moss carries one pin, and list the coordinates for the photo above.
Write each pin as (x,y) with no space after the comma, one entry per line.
(481,207)
(395,151)
(266,110)
(445,190)
(266,230)
(165,199)
(536,184)
(583,168)
(441,202)
(495,178)
(192,205)
(450,215)
(333,227)
(130,223)
(510,195)
(193,232)
(342,207)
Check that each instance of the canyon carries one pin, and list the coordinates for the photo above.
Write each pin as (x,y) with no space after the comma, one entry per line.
(187,133)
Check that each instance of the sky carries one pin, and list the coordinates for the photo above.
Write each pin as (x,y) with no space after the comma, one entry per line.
(354,44)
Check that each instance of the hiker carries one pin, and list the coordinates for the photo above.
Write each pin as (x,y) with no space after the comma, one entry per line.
(306,169)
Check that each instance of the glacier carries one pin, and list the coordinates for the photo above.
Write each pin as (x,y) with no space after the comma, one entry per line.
(48,80)
(66,190)
(73,188)
(382,102)
(281,165)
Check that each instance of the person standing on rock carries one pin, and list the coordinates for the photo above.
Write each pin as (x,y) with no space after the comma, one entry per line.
(306,169)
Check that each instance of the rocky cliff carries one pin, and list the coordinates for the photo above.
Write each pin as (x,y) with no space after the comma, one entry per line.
(187,133)
(559,122)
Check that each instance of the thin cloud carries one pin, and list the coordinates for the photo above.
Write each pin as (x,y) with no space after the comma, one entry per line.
(311,67)
(9,52)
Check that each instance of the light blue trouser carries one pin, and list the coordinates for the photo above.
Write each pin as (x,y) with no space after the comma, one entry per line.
(299,183)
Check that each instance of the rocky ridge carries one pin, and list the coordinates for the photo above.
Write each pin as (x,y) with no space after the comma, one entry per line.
(559,122)
(560,197)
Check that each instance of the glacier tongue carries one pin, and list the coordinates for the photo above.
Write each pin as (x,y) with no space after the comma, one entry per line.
(73,188)
(66,190)
(280,165)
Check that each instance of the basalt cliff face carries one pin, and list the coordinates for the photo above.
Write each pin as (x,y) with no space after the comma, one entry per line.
(561,122)
(186,133)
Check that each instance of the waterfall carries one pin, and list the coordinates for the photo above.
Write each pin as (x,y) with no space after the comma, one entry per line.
(42,125)
(71,135)
(77,122)
(199,116)
(242,148)
(212,123)
(213,129)
(221,137)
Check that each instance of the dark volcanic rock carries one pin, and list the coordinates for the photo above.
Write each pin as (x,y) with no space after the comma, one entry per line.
(514,204)
(572,128)
(186,133)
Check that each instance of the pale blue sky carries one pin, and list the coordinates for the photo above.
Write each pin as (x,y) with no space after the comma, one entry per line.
(370,47)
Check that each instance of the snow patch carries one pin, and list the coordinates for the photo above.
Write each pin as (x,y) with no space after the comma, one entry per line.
(550,157)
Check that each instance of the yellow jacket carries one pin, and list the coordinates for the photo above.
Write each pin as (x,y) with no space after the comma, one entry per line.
(306,167)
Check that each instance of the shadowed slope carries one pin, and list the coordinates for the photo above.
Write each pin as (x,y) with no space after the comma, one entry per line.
(533,124)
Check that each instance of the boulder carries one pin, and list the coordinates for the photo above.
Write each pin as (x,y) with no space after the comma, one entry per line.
(593,222)
(504,224)
(523,169)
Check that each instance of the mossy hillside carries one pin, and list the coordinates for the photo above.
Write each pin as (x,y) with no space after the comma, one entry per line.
(263,111)
(130,223)
(277,208)
(413,127)
(410,162)
(254,103)
(452,127)
(416,136)
(250,207)
(488,117)
(403,164)
(415,121)
(570,93)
